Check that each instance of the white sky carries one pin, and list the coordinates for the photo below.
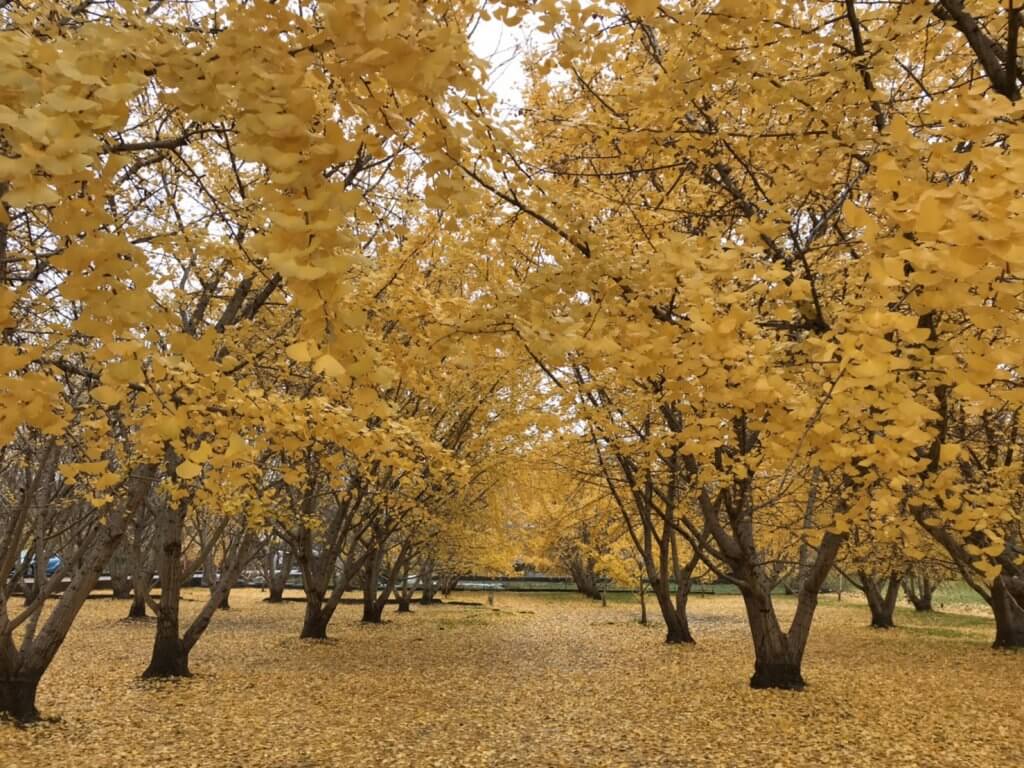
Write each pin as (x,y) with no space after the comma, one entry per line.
(503,47)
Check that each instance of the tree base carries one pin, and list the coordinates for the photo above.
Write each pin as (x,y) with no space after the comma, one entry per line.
(313,630)
(404,607)
(276,596)
(18,699)
(169,659)
(677,638)
(783,676)
(137,611)
(882,622)
(1009,637)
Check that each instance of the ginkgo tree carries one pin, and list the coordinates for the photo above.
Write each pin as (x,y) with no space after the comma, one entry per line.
(285,267)
(168,173)
(755,212)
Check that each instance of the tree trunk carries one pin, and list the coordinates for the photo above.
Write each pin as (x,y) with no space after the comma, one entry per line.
(404,605)
(277,579)
(121,586)
(18,697)
(882,605)
(138,607)
(677,626)
(371,612)
(169,657)
(225,603)
(776,662)
(314,623)
(778,655)
(919,589)
(643,601)
(584,577)
(1008,610)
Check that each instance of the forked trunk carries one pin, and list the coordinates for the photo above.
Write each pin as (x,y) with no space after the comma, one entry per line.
(776,661)
(778,655)
(882,604)
(1008,610)
(677,625)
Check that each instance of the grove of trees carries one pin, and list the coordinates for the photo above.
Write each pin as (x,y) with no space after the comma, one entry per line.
(735,293)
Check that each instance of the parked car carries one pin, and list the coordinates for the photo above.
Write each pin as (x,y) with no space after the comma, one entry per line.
(53,564)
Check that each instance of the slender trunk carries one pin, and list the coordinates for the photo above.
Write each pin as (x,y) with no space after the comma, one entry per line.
(1008,610)
(371,606)
(169,657)
(277,579)
(225,604)
(643,601)
(21,670)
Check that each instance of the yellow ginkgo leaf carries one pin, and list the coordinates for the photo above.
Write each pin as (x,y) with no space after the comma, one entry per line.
(299,351)
(188,470)
(328,365)
(106,395)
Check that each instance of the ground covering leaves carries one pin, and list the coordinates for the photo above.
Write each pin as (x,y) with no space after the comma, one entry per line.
(535,681)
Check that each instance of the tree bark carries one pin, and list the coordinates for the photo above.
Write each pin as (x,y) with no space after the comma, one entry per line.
(778,655)
(1008,610)
(18,697)
(404,605)
(121,586)
(643,601)
(584,577)
(677,626)
(919,589)
(881,604)
(776,661)
(138,606)
(314,623)
(371,612)
(277,580)
(170,656)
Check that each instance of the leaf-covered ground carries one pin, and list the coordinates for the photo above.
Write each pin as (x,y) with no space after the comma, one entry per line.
(536,681)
